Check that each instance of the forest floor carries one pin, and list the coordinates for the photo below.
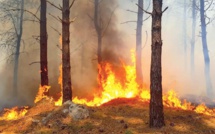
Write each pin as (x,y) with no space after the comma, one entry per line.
(120,116)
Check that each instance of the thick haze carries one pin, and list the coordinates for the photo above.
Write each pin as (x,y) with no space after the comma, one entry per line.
(118,40)
(176,71)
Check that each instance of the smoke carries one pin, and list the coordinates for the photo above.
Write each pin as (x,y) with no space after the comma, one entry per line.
(83,48)
(118,40)
(84,43)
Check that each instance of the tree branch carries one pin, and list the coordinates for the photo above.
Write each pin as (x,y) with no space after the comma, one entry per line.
(56,30)
(144,10)
(90,17)
(108,22)
(73,20)
(52,4)
(58,19)
(135,20)
(34,62)
(71,4)
(209,5)
(24,11)
(128,21)
(164,10)
(131,11)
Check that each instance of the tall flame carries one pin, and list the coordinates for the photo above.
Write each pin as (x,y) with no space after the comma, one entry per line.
(41,93)
(113,88)
(59,101)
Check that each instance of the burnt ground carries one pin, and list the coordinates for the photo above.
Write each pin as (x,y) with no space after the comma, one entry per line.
(119,116)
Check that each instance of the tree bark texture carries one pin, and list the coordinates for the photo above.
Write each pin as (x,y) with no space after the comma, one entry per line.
(17,51)
(139,75)
(209,88)
(67,84)
(43,45)
(156,102)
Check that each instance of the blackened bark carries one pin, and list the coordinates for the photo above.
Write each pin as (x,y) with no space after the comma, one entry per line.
(193,37)
(43,45)
(156,103)
(139,75)
(209,88)
(17,51)
(67,84)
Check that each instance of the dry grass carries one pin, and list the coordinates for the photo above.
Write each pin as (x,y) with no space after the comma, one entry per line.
(118,116)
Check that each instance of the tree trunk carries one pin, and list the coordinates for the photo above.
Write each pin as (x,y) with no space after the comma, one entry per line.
(209,87)
(156,103)
(43,45)
(139,75)
(17,51)
(98,31)
(67,84)
(185,33)
(193,37)
(99,39)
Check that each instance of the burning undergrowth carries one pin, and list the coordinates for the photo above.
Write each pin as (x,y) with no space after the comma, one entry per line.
(112,89)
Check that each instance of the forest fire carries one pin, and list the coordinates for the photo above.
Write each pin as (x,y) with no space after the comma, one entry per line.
(41,93)
(14,113)
(59,101)
(113,89)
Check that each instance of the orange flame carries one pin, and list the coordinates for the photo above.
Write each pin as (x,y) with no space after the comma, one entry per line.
(172,100)
(59,101)
(41,93)
(14,113)
(202,109)
(113,88)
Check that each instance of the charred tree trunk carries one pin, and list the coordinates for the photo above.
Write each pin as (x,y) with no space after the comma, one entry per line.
(99,39)
(156,102)
(17,51)
(193,37)
(67,84)
(139,75)
(209,87)
(43,45)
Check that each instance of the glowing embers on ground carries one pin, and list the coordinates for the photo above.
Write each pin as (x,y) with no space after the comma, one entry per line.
(14,113)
